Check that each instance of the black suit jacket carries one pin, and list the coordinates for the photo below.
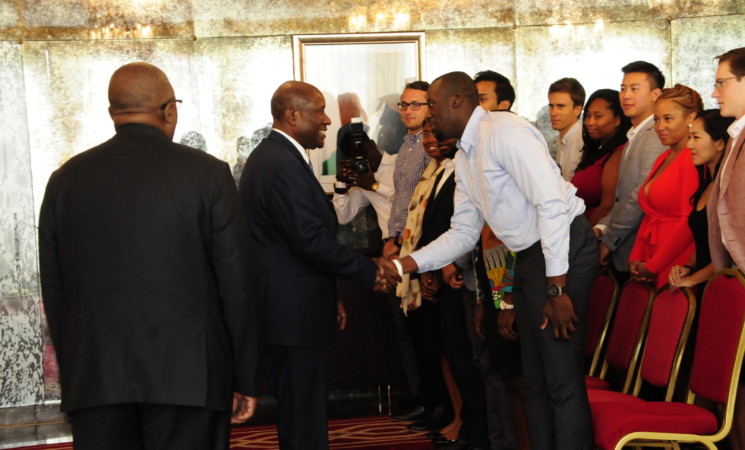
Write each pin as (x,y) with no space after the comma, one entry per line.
(145,276)
(439,211)
(293,228)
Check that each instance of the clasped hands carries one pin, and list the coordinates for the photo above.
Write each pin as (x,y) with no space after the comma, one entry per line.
(387,275)
(640,272)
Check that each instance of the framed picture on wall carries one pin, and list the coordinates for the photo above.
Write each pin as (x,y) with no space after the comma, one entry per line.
(361,75)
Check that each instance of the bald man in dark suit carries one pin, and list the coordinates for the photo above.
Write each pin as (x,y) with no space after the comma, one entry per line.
(147,282)
(293,229)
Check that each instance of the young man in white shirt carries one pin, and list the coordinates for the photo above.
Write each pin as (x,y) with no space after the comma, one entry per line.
(566,97)
(504,174)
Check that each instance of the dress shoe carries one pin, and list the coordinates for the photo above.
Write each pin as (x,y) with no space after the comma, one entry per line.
(416,412)
(436,420)
(441,440)
(454,445)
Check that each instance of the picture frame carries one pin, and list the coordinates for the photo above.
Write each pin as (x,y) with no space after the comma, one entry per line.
(360,75)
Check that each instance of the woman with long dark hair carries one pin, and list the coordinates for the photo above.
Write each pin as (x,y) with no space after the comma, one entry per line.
(604,135)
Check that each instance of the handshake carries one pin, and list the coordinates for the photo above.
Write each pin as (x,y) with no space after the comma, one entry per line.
(387,275)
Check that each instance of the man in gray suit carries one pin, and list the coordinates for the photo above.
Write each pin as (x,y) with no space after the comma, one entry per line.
(642,84)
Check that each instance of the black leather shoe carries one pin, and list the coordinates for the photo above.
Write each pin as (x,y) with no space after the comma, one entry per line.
(438,419)
(441,440)
(416,412)
(453,445)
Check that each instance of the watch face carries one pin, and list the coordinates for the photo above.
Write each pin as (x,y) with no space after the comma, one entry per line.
(553,291)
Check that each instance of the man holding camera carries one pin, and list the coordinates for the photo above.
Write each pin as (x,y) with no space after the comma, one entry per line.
(365,179)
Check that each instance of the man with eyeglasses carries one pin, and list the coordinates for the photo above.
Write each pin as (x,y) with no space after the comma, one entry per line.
(146,280)
(410,163)
(726,209)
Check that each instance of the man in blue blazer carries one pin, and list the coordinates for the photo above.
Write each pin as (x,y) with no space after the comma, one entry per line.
(293,228)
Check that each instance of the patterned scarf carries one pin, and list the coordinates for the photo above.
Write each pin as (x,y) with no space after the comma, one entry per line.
(408,288)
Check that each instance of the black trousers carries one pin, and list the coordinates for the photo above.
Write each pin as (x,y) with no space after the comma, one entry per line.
(297,377)
(146,426)
(459,354)
(558,411)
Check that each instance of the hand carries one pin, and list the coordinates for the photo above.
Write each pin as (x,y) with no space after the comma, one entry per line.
(365,180)
(677,277)
(341,315)
(429,283)
(243,408)
(478,321)
(506,324)
(387,275)
(559,312)
(639,271)
(598,232)
(452,276)
(604,252)
(390,249)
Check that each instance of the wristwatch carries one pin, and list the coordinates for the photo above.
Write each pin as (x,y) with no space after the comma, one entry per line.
(375,186)
(555,291)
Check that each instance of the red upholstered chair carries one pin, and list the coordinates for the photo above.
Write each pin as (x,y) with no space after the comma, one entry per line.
(629,325)
(667,334)
(717,360)
(603,299)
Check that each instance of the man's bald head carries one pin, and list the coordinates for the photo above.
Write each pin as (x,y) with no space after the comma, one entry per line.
(138,87)
(292,95)
(452,98)
(139,93)
(298,109)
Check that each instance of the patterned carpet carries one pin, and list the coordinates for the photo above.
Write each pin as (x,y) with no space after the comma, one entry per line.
(380,433)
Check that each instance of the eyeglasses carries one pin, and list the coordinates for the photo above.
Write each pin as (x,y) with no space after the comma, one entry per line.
(719,84)
(414,106)
(171,100)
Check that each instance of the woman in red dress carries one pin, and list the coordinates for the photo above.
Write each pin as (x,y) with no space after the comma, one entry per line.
(664,238)
(604,135)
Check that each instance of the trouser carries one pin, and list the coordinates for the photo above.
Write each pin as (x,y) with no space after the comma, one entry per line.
(405,344)
(147,426)
(499,421)
(459,354)
(297,376)
(558,410)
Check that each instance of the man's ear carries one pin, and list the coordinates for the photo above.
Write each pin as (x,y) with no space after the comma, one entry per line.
(170,114)
(290,116)
(456,100)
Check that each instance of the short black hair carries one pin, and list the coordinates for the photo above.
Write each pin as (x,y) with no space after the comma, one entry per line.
(418,85)
(572,87)
(504,89)
(656,79)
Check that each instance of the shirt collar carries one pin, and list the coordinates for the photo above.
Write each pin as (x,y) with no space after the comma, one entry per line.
(635,130)
(297,145)
(736,128)
(572,131)
(413,137)
(471,132)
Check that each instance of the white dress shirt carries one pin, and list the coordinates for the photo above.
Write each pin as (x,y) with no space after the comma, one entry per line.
(356,199)
(303,152)
(570,151)
(504,173)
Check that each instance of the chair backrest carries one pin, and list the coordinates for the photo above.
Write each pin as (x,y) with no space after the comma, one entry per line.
(603,299)
(718,337)
(629,325)
(667,334)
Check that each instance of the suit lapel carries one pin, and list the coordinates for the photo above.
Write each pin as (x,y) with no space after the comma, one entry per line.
(730,159)
(290,147)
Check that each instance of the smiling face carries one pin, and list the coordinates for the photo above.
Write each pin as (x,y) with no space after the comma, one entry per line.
(413,120)
(729,92)
(637,97)
(600,122)
(437,150)
(311,121)
(671,123)
(562,111)
(704,149)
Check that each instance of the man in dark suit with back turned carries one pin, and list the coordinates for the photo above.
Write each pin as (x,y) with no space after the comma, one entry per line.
(147,282)
(293,229)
